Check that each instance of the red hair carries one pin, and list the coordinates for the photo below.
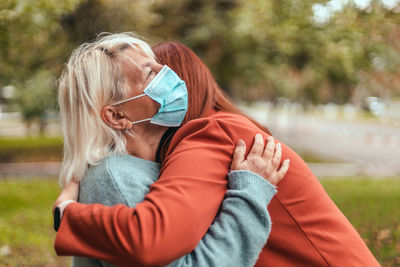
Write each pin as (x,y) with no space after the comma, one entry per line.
(204,94)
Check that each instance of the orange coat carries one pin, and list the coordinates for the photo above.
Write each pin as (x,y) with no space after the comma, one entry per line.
(308,229)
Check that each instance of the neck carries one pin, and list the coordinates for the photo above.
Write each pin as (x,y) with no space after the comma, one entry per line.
(145,142)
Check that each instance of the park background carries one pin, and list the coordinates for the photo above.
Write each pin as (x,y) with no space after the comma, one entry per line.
(323,76)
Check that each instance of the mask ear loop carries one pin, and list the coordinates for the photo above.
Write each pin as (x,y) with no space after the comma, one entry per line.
(129,99)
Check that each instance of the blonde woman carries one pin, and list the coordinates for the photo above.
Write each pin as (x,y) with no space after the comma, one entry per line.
(109,95)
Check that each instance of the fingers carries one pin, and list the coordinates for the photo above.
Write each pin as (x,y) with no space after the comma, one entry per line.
(282,171)
(238,155)
(269,149)
(263,161)
(276,159)
(258,146)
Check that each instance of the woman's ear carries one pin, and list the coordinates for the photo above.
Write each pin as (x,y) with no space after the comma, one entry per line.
(115,118)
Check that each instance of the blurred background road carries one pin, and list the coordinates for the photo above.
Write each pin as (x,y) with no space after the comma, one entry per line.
(349,145)
(335,143)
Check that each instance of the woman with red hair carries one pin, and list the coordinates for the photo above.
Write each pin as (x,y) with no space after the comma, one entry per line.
(308,229)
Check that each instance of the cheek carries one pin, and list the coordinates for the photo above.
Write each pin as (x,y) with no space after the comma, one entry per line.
(152,105)
(145,107)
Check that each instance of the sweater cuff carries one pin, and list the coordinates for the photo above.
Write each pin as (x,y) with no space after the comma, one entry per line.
(254,183)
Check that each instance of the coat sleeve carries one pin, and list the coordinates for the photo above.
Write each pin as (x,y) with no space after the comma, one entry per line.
(175,214)
(241,228)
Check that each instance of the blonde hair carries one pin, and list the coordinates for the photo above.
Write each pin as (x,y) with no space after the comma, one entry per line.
(92,79)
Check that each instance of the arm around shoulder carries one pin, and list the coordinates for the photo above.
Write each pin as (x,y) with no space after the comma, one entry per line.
(175,214)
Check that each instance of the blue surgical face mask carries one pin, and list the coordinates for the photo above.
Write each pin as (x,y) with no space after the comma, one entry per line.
(170,91)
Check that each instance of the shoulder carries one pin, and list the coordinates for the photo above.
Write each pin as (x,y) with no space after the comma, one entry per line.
(118,179)
(97,184)
(228,123)
(96,173)
(235,125)
(116,168)
(103,173)
(214,136)
(128,169)
(127,163)
(221,126)
(221,119)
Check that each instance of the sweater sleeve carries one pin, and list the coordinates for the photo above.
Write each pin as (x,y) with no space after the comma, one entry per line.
(175,214)
(241,228)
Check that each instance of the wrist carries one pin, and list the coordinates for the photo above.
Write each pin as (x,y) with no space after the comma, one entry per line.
(244,178)
(63,206)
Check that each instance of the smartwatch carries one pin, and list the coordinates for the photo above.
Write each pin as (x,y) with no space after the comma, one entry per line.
(59,212)
(57,218)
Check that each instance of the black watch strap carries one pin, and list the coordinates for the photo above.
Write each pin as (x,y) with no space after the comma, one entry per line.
(57,218)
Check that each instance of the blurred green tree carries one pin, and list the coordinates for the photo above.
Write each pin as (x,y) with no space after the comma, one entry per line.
(36,97)
(92,17)
(264,49)
(260,49)
(30,37)
(282,50)
(32,40)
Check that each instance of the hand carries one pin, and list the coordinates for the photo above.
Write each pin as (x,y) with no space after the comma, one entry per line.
(263,161)
(69,192)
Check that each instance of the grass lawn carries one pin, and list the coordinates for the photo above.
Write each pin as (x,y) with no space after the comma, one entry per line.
(372,205)
(47,149)
(36,149)
(26,222)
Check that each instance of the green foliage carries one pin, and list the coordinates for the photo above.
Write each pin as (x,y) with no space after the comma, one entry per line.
(261,49)
(36,97)
(32,50)
(281,50)
(92,17)
(39,149)
(29,37)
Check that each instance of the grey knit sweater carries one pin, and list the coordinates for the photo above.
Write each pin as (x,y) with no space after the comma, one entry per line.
(237,234)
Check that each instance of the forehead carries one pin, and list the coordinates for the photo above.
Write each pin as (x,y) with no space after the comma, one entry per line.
(134,64)
(135,57)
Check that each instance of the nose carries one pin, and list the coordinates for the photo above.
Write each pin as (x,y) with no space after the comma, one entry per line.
(157,67)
